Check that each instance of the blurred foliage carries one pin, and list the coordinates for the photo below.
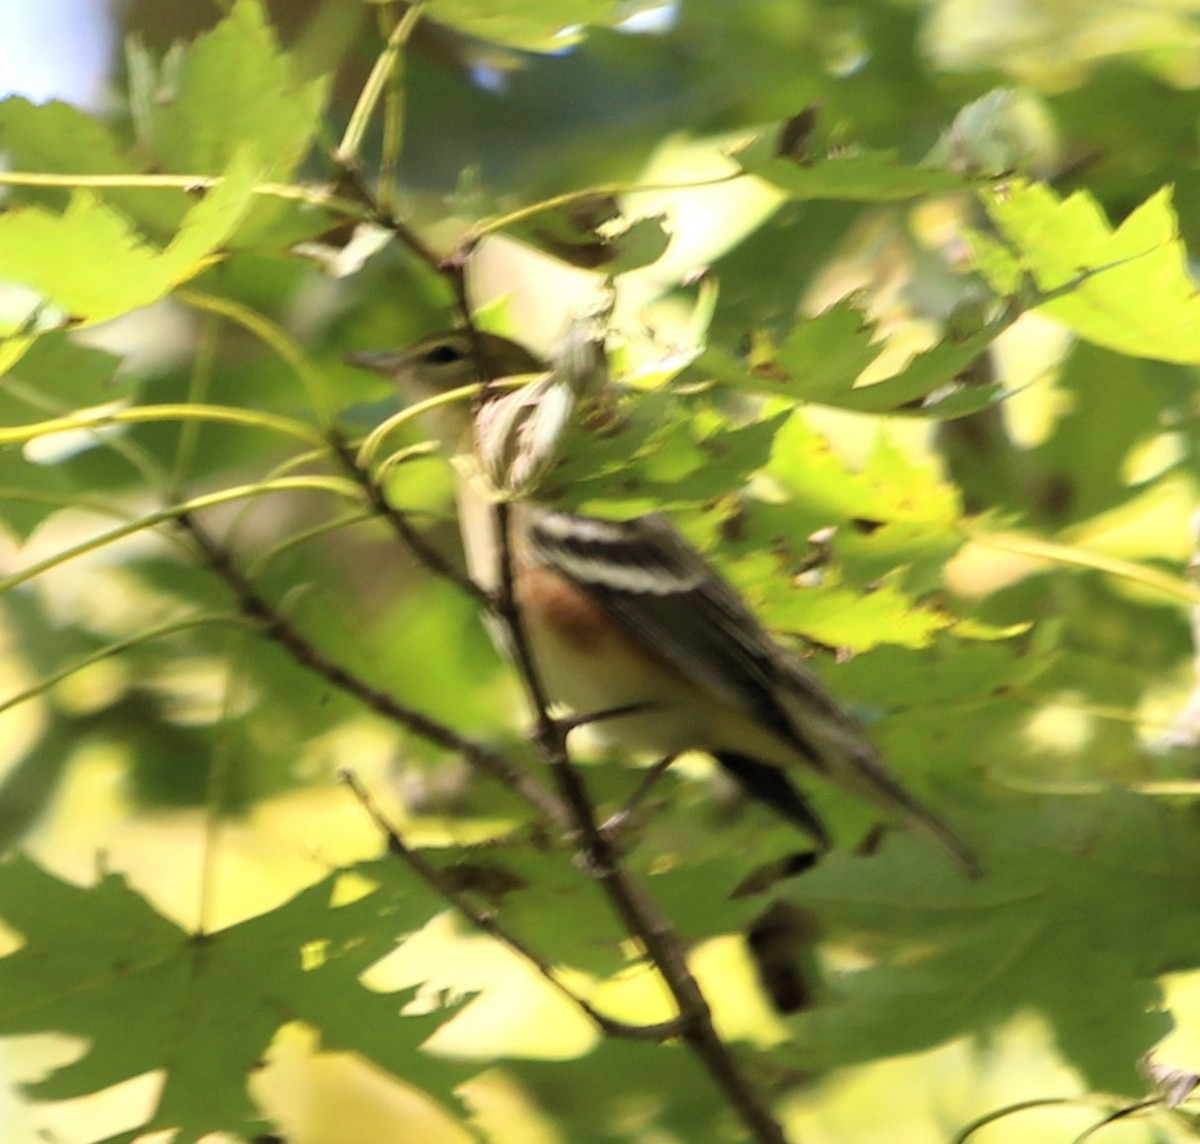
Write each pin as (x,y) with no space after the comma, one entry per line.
(912,359)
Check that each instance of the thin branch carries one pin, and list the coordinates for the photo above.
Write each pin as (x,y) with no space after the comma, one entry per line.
(968,1130)
(484,921)
(141,414)
(395,100)
(303,536)
(283,632)
(638,912)
(550,734)
(1119,1114)
(400,524)
(199,386)
(1074,556)
(455,269)
(371,443)
(325,196)
(286,348)
(190,184)
(389,220)
(118,647)
(609,190)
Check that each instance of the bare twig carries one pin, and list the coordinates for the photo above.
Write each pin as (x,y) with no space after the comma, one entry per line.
(483,920)
(400,524)
(968,1130)
(352,176)
(283,632)
(638,912)
(549,733)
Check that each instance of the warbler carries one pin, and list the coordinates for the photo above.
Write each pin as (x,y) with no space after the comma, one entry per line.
(627,616)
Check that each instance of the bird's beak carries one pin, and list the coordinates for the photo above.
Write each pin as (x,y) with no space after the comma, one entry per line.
(386,362)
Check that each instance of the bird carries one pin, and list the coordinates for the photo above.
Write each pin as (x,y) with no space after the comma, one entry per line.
(628,625)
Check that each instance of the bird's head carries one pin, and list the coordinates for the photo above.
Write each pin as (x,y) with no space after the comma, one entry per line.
(449,360)
(512,436)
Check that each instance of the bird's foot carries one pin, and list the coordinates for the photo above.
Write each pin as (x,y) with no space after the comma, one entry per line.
(576,721)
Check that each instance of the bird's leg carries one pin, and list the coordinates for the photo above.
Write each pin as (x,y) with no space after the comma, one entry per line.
(613,826)
(576,721)
(573,722)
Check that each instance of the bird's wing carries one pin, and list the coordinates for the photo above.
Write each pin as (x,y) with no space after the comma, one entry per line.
(647,577)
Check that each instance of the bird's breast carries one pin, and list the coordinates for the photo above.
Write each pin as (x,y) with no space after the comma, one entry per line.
(591,664)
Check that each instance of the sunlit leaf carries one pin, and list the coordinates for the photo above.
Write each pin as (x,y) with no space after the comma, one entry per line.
(526,24)
(238,91)
(1127,288)
(948,955)
(92,265)
(144,992)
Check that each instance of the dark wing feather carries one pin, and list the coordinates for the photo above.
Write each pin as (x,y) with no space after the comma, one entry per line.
(645,575)
(772,787)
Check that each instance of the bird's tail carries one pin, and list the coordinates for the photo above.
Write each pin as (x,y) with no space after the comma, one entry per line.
(837,747)
(875,781)
(771,786)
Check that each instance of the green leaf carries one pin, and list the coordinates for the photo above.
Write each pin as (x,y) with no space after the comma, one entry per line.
(855,176)
(204,1007)
(856,621)
(56,138)
(90,263)
(592,234)
(929,385)
(533,25)
(237,90)
(624,1090)
(1112,405)
(821,359)
(1082,907)
(1126,288)
(55,375)
(63,375)
(29,493)
(891,488)
(686,460)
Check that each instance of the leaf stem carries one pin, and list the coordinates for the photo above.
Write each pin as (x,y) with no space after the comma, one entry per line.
(523,214)
(161,631)
(143,414)
(1073,556)
(274,336)
(347,150)
(161,516)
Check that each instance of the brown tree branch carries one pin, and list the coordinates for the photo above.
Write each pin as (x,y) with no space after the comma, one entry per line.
(282,631)
(352,178)
(400,524)
(486,922)
(638,911)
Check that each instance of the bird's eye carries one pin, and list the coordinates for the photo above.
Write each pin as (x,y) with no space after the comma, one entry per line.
(444,354)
